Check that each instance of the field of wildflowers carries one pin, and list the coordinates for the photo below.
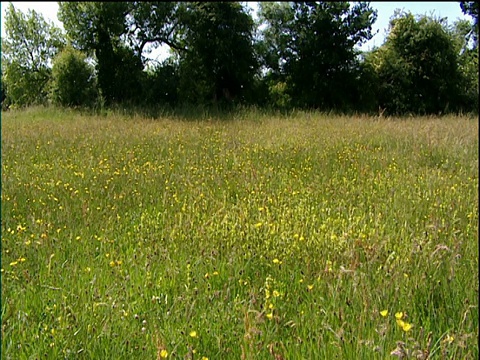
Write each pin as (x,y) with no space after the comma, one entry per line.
(251,237)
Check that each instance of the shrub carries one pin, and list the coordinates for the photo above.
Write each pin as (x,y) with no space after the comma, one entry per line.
(72,82)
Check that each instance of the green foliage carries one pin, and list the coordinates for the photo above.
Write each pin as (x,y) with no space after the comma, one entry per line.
(274,39)
(468,65)
(469,83)
(27,52)
(471,8)
(161,85)
(98,28)
(219,64)
(89,25)
(124,81)
(154,23)
(72,81)
(279,96)
(367,91)
(417,67)
(315,46)
(295,55)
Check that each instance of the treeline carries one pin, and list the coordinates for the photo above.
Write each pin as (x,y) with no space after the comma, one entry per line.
(291,55)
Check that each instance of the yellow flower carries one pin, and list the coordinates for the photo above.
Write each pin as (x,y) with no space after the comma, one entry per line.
(163,353)
(13,263)
(310,287)
(399,315)
(204,358)
(276,261)
(267,294)
(449,339)
(257,225)
(404,325)
(275,293)
(384,313)
(193,334)
(270,315)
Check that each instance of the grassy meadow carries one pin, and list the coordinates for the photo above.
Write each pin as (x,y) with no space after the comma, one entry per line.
(254,236)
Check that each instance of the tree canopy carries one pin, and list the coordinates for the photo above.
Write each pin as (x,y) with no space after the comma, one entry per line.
(471,8)
(72,82)
(27,53)
(311,46)
(293,54)
(417,66)
(218,62)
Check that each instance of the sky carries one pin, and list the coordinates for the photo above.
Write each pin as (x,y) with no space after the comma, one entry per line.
(450,9)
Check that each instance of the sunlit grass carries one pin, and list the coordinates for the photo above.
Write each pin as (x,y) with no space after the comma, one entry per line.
(250,237)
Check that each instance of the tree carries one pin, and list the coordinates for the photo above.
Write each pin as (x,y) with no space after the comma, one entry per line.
(100,28)
(72,79)
(467,64)
(311,47)
(417,67)
(218,61)
(153,23)
(471,8)
(119,34)
(161,84)
(90,25)
(212,46)
(274,41)
(27,52)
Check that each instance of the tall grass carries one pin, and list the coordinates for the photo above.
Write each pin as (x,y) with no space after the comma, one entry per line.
(253,237)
